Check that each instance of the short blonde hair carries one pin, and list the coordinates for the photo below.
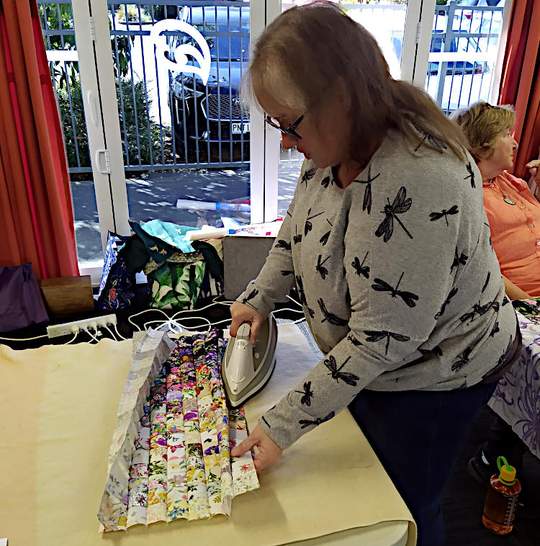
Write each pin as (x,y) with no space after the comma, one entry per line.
(483,124)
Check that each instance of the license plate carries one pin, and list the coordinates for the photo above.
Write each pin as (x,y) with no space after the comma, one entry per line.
(240,128)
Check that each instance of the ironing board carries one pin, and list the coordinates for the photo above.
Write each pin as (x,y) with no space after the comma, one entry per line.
(59,410)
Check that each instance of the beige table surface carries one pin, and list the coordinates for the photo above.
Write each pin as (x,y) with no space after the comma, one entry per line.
(58,406)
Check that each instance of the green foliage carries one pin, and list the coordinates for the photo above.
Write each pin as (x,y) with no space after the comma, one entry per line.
(142,135)
(55,17)
(72,117)
(133,13)
(134,120)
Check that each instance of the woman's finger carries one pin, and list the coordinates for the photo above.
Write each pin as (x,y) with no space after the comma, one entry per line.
(259,462)
(245,446)
(266,452)
(255,328)
(235,324)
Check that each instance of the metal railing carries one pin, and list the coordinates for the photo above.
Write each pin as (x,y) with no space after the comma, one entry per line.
(171,120)
(185,123)
(463,52)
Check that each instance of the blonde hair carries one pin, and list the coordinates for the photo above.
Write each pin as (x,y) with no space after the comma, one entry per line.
(308,51)
(483,124)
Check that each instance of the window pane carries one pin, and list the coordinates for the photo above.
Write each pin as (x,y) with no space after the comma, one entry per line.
(463,52)
(185,133)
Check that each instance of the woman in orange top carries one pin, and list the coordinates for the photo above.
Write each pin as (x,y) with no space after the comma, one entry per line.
(512,210)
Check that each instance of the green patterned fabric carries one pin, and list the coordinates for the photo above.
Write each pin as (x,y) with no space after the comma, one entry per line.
(176,283)
(529,308)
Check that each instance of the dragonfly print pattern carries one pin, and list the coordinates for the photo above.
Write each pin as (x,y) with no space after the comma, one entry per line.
(373,336)
(387,269)
(308,225)
(452,211)
(400,205)
(320,268)
(409,298)
(470,175)
(359,267)
(307,176)
(307,394)
(324,238)
(337,373)
(302,295)
(368,197)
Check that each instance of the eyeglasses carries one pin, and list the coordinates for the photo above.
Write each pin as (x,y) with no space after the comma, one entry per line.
(290,130)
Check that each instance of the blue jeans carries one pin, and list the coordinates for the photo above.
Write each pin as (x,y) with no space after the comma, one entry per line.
(417,436)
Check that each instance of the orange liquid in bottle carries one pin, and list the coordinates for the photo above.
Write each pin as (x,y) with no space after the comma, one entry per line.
(501,503)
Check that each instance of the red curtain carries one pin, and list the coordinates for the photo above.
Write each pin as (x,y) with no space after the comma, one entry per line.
(36,213)
(520,83)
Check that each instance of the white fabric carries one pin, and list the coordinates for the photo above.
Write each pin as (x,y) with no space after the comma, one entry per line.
(59,406)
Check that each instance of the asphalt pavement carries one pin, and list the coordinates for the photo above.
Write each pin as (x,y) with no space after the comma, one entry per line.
(154,195)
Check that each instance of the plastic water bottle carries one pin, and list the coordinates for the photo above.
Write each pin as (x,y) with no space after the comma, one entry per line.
(501,499)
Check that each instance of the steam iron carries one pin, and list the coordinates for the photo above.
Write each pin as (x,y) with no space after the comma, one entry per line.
(246,367)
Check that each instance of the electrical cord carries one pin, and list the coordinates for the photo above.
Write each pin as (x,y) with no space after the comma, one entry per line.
(174,323)
(177,327)
(221,322)
(75,334)
(170,321)
(105,327)
(87,330)
(294,301)
(179,324)
(23,338)
(115,328)
(144,312)
(289,309)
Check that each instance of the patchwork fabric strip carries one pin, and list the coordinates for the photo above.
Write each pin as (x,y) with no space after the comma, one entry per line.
(170,458)
(157,465)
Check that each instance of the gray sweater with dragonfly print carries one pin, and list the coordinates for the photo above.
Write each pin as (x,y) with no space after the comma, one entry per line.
(399,282)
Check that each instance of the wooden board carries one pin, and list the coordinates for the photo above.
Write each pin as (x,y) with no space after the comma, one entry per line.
(65,296)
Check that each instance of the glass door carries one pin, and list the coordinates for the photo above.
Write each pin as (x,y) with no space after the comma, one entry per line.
(185,133)
(153,120)
(169,137)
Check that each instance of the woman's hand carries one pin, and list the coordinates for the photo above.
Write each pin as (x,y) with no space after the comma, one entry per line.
(533,169)
(242,313)
(266,452)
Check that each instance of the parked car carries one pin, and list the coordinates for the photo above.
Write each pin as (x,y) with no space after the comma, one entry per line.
(209,120)
(453,68)
(475,26)
(456,44)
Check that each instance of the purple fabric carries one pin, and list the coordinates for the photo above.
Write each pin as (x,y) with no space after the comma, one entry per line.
(517,396)
(21,302)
